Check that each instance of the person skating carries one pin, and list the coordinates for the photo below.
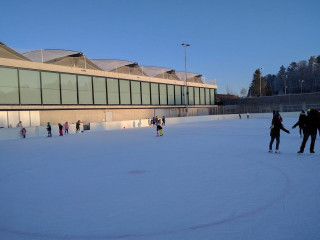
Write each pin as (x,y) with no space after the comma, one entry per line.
(276,126)
(310,129)
(78,126)
(159,128)
(301,122)
(60,129)
(49,129)
(24,132)
(19,124)
(163,120)
(66,128)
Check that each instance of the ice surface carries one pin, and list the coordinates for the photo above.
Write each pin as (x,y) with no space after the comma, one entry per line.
(208,180)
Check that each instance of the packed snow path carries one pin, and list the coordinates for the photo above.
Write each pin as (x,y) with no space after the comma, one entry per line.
(208,180)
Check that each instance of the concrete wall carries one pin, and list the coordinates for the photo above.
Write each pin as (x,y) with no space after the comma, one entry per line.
(40,131)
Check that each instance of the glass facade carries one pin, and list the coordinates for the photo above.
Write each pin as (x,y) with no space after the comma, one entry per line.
(125,97)
(99,90)
(22,86)
(50,88)
(135,93)
(113,91)
(30,87)
(177,94)
(212,96)
(207,96)
(191,95)
(170,94)
(196,96)
(202,97)
(69,89)
(145,88)
(154,93)
(9,86)
(163,94)
(85,89)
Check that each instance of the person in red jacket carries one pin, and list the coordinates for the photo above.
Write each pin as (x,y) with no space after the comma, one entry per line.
(66,128)
(23,132)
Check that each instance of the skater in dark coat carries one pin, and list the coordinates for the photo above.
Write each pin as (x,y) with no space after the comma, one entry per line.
(60,129)
(159,128)
(310,129)
(276,126)
(301,122)
(49,130)
(78,126)
(163,120)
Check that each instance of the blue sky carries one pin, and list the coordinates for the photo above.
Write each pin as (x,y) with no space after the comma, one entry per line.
(229,39)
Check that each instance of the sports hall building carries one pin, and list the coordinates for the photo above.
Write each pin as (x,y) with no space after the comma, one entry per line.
(54,86)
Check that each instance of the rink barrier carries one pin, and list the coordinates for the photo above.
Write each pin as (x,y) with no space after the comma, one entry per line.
(41,131)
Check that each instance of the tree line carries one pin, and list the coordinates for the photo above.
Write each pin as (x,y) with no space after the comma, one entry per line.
(298,77)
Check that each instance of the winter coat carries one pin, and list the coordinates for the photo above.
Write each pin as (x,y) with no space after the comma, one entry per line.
(312,123)
(60,127)
(301,121)
(48,128)
(276,126)
(66,126)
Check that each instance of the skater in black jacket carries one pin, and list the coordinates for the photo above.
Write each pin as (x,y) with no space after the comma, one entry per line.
(301,122)
(310,129)
(49,130)
(276,126)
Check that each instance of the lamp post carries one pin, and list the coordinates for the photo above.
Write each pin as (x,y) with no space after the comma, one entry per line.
(301,82)
(185,45)
(285,84)
(260,79)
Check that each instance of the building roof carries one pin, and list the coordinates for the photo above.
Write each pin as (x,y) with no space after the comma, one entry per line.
(191,77)
(46,55)
(7,52)
(112,64)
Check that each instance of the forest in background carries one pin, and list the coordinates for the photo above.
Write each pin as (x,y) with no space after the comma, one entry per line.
(298,77)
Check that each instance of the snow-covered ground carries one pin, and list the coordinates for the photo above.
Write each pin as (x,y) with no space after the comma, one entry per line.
(200,181)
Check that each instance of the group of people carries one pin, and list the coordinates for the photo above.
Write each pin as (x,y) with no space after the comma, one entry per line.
(308,125)
(61,127)
(158,122)
(65,126)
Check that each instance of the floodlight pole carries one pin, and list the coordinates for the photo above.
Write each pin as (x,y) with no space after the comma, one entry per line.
(260,79)
(301,82)
(185,45)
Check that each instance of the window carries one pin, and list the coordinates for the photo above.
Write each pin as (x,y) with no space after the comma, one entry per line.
(191,95)
(50,88)
(69,89)
(155,93)
(99,90)
(207,96)
(202,102)
(9,92)
(212,96)
(163,94)
(85,89)
(171,95)
(125,92)
(177,94)
(30,87)
(113,91)
(184,95)
(145,87)
(196,96)
(135,93)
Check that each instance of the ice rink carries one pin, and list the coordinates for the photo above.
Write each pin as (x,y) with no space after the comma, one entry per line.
(200,181)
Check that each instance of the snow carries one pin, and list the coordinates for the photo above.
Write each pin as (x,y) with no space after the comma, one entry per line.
(208,180)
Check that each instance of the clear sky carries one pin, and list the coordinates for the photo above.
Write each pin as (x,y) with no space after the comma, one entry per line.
(229,39)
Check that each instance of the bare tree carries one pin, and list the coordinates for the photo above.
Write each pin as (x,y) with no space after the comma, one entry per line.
(243,92)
